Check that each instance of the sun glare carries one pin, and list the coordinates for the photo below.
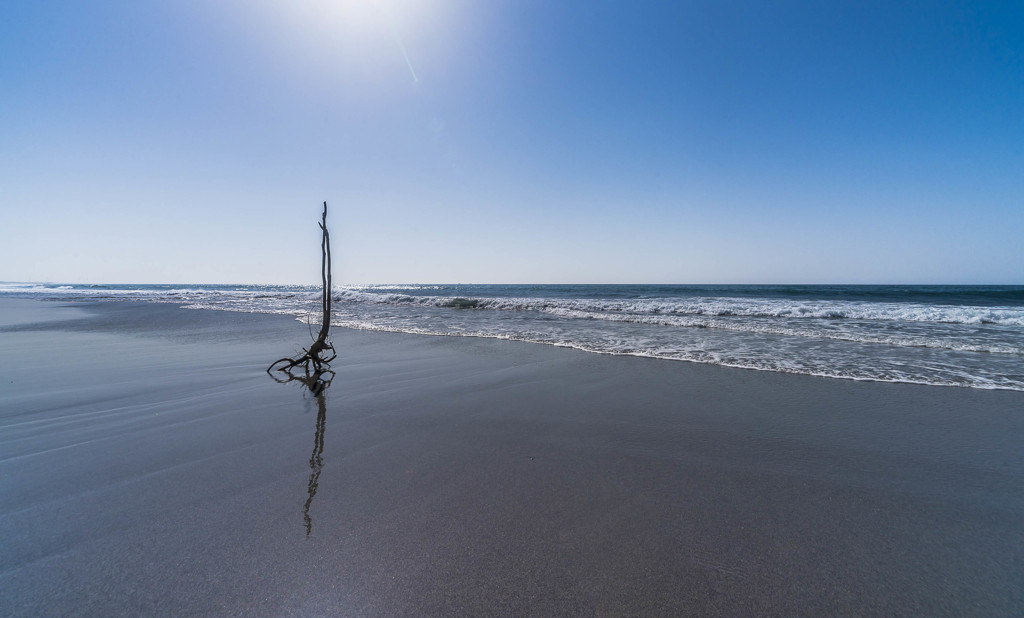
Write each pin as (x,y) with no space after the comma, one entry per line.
(362,41)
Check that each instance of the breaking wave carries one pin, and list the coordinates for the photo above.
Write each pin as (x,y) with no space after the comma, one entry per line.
(711,307)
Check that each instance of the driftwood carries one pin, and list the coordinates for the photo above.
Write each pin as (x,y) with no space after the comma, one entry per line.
(316,374)
(321,353)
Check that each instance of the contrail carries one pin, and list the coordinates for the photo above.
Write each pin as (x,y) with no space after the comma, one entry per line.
(398,41)
(405,55)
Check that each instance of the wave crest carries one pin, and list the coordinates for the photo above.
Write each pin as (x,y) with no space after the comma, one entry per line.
(721,307)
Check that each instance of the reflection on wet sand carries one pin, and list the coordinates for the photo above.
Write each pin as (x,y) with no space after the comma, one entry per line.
(317,383)
(316,460)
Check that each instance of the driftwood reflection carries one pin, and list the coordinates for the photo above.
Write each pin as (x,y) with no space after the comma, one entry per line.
(316,382)
(316,460)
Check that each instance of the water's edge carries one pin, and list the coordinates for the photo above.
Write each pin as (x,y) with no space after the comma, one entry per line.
(969,336)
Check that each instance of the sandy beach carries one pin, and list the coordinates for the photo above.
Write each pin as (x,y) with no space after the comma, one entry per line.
(149,466)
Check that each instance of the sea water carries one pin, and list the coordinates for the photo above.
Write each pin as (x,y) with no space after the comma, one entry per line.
(971,336)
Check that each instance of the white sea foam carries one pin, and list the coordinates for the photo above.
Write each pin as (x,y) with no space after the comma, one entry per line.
(794,328)
(895,371)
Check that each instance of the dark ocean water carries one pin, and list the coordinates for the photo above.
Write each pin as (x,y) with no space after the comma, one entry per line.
(969,336)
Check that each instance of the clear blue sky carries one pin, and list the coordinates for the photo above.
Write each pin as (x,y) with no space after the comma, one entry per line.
(512,141)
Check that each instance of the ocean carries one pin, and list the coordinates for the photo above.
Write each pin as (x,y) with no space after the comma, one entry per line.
(966,336)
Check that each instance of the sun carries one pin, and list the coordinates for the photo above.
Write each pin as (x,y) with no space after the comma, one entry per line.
(361,40)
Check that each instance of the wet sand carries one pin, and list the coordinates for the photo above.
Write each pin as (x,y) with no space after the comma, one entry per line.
(148,465)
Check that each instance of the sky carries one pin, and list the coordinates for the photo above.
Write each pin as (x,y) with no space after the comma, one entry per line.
(512,141)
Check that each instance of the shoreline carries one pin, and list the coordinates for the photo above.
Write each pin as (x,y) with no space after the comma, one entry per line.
(941,335)
(86,303)
(472,475)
